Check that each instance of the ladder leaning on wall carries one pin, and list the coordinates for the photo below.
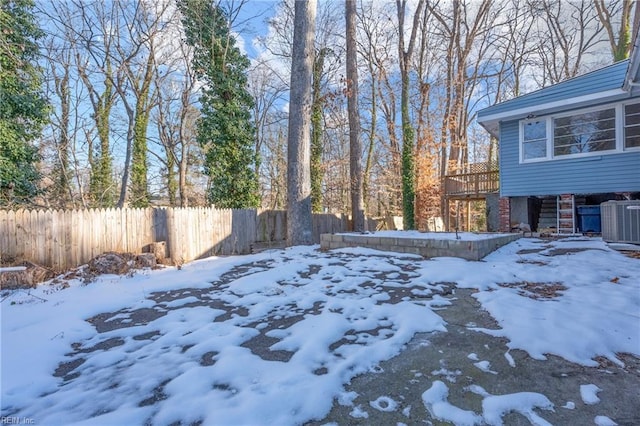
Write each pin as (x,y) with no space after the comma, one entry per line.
(566,214)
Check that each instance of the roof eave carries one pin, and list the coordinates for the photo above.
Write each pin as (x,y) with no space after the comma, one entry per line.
(632,78)
(549,107)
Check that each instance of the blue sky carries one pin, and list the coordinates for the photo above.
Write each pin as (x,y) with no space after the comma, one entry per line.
(252,21)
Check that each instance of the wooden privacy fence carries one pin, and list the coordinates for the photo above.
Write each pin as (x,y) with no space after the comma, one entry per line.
(62,239)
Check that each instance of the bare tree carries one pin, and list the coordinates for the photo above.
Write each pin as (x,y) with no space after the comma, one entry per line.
(175,118)
(621,9)
(59,70)
(84,29)
(299,226)
(383,170)
(268,89)
(569,32)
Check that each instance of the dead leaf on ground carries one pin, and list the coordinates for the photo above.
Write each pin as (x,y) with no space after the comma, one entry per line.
(537,291)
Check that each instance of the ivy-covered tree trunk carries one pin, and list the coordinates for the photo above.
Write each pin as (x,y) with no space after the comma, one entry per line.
(408,163)
(61,192)
(139,194)
(101,185)
(172,182)
(408,133)
(317,173)
(225,129)
(23,109)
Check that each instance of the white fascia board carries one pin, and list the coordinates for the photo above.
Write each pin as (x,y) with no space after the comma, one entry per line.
(634,63)
(540,108)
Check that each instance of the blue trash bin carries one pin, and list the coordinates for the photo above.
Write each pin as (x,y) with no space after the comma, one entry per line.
(589,218)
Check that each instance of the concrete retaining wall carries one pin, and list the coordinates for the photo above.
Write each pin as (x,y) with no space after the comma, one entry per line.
(470,250)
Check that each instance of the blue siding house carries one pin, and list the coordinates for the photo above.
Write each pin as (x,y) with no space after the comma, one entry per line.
(568,145)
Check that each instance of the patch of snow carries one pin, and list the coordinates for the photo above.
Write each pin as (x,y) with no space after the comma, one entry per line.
(509,359)
(478,390)
(406,411)
(573,324)
(604,421)
(384,403)
(13,268)
(450,375)
(359,413)
(346,398)
(570,405)
(485,366)
(435,401)
(589,394)
(473,357)
(495,406)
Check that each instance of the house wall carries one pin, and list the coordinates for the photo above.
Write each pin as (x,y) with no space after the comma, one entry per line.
(593,174)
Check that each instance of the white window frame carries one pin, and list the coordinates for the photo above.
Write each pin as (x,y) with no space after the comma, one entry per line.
(623,127)
(523,123)
(549,121)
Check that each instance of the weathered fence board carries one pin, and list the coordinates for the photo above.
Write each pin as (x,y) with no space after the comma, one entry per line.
(61,239)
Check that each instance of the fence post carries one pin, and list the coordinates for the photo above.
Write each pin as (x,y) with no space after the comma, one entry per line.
(172,236)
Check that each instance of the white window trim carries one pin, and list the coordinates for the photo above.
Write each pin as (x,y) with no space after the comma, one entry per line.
(622,127)
(521,139)
(619,130)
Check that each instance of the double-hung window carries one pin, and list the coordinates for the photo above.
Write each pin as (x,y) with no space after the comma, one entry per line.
(632,126)
(534,140)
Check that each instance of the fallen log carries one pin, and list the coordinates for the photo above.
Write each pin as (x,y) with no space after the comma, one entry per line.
(24,275)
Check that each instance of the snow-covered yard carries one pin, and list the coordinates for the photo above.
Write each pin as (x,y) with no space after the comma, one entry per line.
(273,338)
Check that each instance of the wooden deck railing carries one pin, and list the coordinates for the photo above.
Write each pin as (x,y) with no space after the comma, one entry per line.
(472,184)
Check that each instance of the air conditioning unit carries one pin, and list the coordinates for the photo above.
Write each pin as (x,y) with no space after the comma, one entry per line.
(620,221)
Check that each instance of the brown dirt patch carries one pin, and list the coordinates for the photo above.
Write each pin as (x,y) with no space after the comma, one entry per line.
(545,291)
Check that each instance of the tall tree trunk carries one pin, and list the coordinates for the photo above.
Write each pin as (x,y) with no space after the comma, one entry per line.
(317,174)
(62,192)
(408,134)
(366,178)
(355,144)
(299,224)
(124,186)
(139,163)
(101,185)
(182,176)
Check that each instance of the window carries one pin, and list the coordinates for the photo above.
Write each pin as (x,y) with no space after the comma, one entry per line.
(591,131)
(534,140)
(586,132)
(632,126)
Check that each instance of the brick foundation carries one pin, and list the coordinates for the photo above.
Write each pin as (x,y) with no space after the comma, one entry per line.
(504,212)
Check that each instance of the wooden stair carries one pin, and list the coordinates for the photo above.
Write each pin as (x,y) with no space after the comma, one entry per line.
(558,214)
(548,219)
